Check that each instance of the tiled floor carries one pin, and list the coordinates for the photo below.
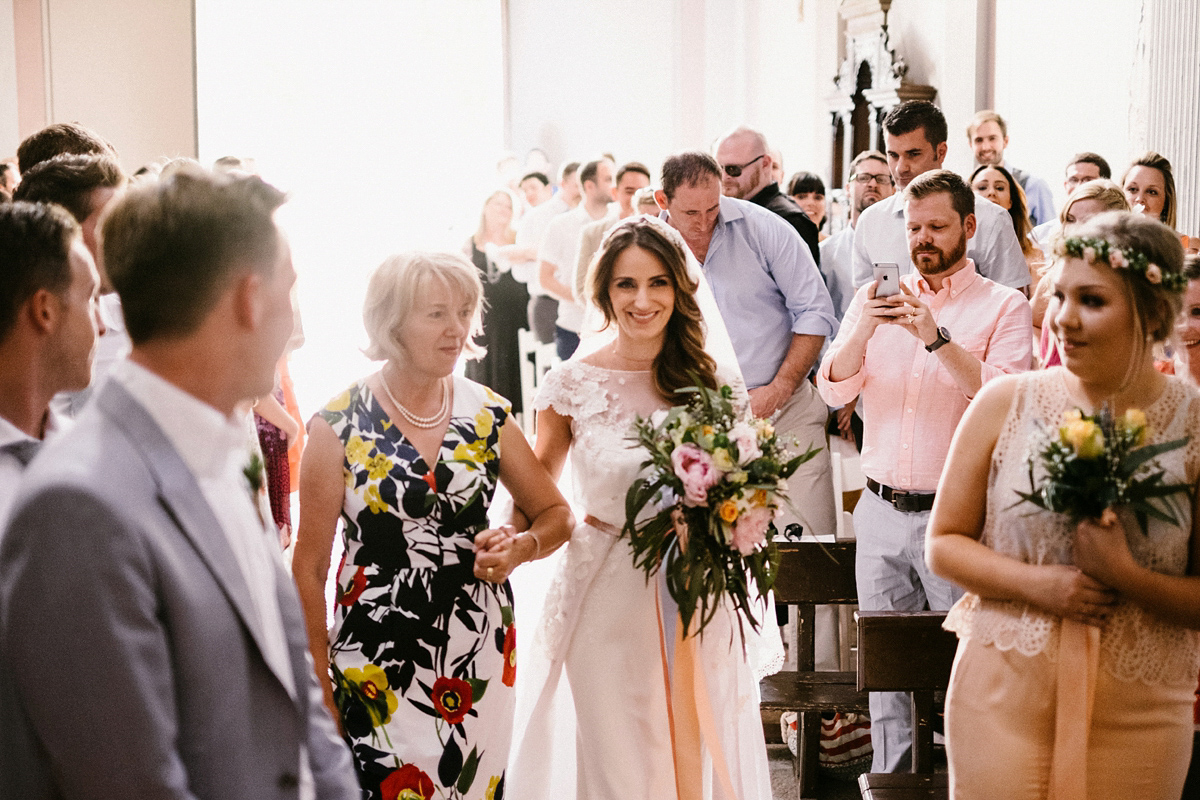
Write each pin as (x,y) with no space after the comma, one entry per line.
(783,782)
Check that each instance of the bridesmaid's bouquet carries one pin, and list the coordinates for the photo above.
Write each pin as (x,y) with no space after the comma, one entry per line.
(1100,461)
(715,482)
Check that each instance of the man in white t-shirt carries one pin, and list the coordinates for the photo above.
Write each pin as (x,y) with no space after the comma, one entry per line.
(559,251)
(543,309)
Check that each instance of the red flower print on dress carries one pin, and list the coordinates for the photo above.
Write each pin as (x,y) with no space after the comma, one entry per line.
(357,584)
(451,698)
(406,783)
(510,656)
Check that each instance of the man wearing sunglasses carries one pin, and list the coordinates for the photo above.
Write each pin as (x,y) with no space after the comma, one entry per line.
(747,174)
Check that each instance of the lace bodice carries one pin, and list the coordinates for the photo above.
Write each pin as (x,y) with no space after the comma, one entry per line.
(1134,644)
(602,405)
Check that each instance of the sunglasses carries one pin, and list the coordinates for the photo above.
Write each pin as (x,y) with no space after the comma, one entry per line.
(735,170)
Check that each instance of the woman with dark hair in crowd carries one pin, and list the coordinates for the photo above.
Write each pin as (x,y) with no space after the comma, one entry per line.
(1078,654)
(1149,183)
(996,184)
(505,299)
(637,735)
(808,190)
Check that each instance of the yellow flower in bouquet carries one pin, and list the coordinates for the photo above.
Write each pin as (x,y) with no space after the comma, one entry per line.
(1135,423)
(1083,435)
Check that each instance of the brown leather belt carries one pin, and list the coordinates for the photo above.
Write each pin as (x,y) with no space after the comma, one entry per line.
(909,502)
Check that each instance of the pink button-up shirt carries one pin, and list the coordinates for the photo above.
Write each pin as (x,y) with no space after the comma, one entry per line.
(911,404)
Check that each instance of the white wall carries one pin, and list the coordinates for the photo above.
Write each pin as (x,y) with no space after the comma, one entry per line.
(1058,100)
(124,68)
(9,132)
(593,77)
(644,80)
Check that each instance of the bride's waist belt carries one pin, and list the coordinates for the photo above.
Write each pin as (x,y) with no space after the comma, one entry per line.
(601,525)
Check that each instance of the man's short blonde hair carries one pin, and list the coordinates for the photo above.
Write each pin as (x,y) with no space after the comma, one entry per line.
(401,283)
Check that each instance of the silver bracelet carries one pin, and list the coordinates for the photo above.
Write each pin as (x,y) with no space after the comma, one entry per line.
(537,545)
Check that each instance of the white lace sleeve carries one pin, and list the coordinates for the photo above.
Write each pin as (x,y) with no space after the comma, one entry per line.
(558,391)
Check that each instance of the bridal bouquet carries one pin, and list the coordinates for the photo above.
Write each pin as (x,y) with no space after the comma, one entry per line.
(715,482)
(1100,461)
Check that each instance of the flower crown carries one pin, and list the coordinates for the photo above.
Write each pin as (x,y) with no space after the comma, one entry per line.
(1092,250)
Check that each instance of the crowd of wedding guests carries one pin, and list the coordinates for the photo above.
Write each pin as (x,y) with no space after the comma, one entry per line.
(153,642)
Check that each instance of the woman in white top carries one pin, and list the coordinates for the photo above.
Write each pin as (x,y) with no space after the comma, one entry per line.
(655,716)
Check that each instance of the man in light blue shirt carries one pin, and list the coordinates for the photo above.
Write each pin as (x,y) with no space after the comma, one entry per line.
(776,308)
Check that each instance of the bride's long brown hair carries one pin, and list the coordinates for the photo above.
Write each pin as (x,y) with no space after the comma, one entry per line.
(682,359)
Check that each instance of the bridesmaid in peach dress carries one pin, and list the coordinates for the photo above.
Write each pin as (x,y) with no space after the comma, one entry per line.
(1078,651)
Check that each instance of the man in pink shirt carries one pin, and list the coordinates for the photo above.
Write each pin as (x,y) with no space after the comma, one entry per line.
(917,358)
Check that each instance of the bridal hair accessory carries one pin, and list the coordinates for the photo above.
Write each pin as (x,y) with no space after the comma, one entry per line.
(1093,250)
(413,419)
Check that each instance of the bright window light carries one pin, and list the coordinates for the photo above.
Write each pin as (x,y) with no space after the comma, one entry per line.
(383,120)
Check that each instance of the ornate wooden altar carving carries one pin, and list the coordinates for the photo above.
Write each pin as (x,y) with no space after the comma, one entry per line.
(871,81)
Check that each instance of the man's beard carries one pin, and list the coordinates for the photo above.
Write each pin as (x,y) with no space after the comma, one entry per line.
(944,260)
(866,202)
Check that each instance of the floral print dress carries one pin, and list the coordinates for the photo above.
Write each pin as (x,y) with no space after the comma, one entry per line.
(422,654)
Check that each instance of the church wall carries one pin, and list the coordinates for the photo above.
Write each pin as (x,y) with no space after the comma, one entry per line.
(123,67)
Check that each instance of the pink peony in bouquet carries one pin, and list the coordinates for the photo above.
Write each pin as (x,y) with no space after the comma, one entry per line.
(703,507)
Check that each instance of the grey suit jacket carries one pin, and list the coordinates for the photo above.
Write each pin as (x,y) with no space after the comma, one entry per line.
(131,664)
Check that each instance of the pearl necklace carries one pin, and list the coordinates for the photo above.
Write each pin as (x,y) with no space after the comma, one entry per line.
(411,418)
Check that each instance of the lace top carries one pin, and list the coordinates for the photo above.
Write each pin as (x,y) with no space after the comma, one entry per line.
(602,405)
(1134,645)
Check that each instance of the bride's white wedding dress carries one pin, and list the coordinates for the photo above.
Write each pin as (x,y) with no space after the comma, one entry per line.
(653,718)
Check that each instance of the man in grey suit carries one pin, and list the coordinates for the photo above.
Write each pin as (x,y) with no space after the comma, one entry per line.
(151,643)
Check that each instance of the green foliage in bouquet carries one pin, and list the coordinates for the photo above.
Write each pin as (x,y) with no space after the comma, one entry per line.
(715,481)
(1097,462)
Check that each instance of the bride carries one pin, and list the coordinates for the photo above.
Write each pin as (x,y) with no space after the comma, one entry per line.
(656,716)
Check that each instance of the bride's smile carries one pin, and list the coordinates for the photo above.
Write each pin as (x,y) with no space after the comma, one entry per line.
(642,295)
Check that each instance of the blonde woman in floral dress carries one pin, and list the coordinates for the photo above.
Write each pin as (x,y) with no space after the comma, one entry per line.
(420,664)
(1078,649)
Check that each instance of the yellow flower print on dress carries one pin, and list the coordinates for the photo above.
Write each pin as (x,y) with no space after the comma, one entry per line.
(473,454)
(493,782)
(374,501)
(339,403)
(371,684)
(484,421)
(357,451)
(378,467)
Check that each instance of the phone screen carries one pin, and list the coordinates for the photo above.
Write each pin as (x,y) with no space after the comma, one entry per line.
(887,278)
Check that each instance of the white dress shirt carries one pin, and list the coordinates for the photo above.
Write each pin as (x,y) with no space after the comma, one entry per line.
(16,450)
(214,449)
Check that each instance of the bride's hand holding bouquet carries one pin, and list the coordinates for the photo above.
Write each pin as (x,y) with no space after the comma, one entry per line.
(714,480)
